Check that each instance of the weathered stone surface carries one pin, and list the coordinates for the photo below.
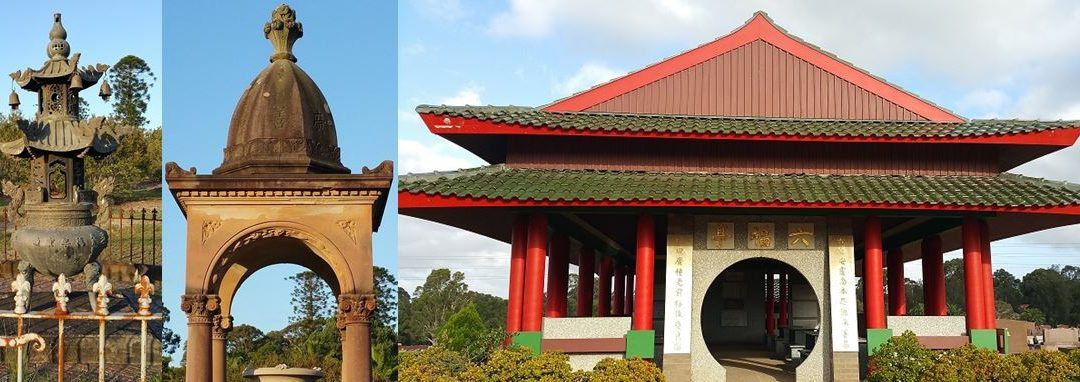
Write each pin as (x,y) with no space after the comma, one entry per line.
(928,325)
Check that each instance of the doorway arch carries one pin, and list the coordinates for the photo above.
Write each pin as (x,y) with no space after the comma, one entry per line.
(735,325)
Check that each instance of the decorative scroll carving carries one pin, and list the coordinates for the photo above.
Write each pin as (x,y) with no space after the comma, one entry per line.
(200,308)
(209,227)
(173,170)
(349,226)
(221,326)
(386,168)
(355,309)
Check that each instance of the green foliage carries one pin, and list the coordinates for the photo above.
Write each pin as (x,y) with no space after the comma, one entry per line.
(618,370)
(311,301)
(11,168)
(514,364)
(901,358)
(131,81)
(466,333)
(434,364)
(442,294)
(384,336)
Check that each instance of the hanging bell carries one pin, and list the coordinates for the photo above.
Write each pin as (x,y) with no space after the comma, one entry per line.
(13,100)
(76,82)
(105,92)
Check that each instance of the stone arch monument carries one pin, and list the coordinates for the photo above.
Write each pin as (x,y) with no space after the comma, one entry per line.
(281,195)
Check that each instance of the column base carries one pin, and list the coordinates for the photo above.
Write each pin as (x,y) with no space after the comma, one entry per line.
(640,344)
(875,338)
(984,338)
(530,340)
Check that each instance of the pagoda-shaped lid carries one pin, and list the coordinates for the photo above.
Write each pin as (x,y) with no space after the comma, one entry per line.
(282,123)
(58,65)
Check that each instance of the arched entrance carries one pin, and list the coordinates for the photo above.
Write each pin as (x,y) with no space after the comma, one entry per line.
(735,320)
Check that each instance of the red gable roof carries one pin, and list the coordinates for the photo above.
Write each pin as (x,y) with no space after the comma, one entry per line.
(757,70)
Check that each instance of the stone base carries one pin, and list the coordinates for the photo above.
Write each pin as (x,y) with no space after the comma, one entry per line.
(677,367)
(845,366)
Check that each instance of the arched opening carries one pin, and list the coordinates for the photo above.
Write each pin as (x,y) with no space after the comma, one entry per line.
(258,269)
(735,326)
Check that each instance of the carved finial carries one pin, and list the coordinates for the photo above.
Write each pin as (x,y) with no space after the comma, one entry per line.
(60,289)
(144,288)
(21,287)
(283,30)
(58,48)
(101,290)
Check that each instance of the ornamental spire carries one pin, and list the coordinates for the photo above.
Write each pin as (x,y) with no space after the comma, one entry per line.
(58,48)
(283,30)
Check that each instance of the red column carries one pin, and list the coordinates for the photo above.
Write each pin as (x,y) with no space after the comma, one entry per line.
(628,306)
(770,305)
(874,296)
(783,300)
(988,279)
(619,297)
(533,311)
(973,275)
(518,239)
(603,297)
(645,261)
(933,268)
(897,292)
(586,264)
(558,275)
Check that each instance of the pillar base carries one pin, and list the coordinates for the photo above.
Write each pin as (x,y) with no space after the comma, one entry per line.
(984,338)
(875,338)
(530,340)
(640,344)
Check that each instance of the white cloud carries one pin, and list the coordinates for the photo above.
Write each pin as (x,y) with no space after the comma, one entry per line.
(587,76)
(425,245)
(441,10)
(969,39)
(984,101)
(417,157)
(470,95)
(414,49)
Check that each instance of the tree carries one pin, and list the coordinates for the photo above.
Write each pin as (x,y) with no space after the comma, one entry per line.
(1007,289)
(1049,291)
(465,333)
(443,294)
(1034,315)
(491,308)
(384,327)
(954,286)
(131,81)
(311,301)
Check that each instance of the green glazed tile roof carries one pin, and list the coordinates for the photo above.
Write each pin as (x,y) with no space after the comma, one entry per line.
(500,182)
(651,123)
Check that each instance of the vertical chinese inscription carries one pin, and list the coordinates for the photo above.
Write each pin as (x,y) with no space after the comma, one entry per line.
(720,236)
(842,296)
(677,294)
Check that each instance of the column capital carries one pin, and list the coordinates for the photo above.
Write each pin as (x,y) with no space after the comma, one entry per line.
(355,309)
(200,308)
(221,326)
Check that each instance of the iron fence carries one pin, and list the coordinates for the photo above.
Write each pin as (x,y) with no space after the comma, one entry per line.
(134,237)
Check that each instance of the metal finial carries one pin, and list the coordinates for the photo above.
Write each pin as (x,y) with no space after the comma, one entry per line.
(58,47)
(283,30)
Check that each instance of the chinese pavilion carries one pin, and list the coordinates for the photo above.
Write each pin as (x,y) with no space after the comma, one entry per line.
(727,199)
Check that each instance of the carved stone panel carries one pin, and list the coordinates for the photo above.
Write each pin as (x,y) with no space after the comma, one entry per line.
(761,236)
(721,235)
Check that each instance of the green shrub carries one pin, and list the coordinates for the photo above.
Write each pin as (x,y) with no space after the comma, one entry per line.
(623,370)
(900,359)
(970,363)
(434,364)
(1046,365)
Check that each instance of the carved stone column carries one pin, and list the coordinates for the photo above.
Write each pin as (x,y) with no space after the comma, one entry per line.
(354,321)
(200,310)
(219,332)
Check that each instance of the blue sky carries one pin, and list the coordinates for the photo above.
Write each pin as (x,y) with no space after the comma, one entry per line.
(215,49)
(981,59)
(103,34)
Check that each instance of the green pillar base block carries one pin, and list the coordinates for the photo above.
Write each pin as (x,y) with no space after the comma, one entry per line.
(640,344)
(875,338)
(530,340)
(984,338)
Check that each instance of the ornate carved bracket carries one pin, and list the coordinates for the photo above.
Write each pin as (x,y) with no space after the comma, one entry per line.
(355,309)
(200,308)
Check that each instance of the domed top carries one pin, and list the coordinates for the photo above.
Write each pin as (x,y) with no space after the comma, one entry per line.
(282,123)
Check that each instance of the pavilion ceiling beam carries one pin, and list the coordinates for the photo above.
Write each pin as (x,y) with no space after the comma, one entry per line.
(586,233)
